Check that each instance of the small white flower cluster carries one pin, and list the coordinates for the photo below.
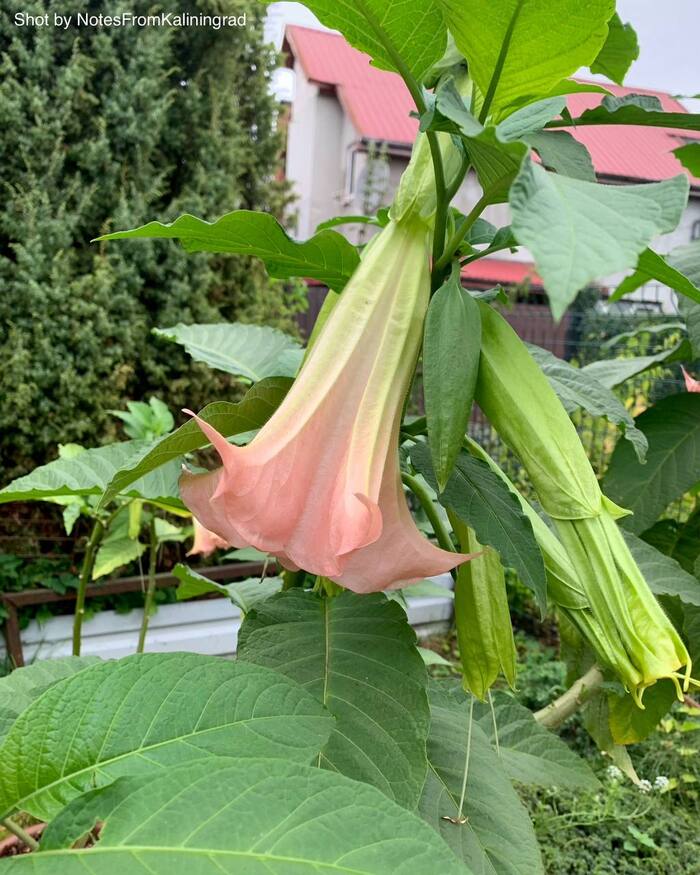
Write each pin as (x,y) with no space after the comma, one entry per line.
(613,773)
(660,782)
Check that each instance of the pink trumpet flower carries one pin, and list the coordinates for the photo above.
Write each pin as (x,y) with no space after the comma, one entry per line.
(319,487)
(690,384)
(205,542)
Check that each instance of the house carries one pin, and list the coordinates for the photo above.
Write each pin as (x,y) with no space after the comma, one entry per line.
(350,133)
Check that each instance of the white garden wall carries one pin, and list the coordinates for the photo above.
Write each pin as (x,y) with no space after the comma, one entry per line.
(209,627)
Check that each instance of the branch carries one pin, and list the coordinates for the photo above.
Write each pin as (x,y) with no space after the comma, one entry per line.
(554,714)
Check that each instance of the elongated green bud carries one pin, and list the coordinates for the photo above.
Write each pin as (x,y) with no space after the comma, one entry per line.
(415,196)
(523,408)
(564,589)
(484,630)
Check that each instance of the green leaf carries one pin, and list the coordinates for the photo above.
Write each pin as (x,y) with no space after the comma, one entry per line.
(521,48)
(633,109)
(148,712)
(496,161)
(680,541)
(672,427)
(327,257)
(115,552)
(22,686)
(560,152)
(577,388)
(410,30)
(90,472)
(229,418)
(482,500)
(350,220)
(357,655)
(254,817)
(580,231)
(613,372)
(628,723)
(245,594)
(451,345)
(620,49)
(689,156)
(530,118)
(662,573)
(497,837)
(250,351)
(529,753)
(686,259)
(652,266)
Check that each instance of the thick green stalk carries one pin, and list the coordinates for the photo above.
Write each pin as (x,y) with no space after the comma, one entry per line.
(85,576)
(151,584)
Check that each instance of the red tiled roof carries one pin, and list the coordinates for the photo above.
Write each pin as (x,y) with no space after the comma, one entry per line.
(501,270)
(378,104)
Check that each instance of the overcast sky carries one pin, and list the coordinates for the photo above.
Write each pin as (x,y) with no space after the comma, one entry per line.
(669,40)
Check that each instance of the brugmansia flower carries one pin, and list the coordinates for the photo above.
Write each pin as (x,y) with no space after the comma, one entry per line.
(205,542)
(633,635)
(319,487)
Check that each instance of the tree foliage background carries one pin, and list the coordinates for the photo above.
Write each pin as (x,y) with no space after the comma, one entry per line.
(106,128)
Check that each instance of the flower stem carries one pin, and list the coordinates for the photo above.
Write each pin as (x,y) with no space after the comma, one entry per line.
(151,586)
(455,240)
(460,816)
(423,495)
(21,834)
(85,575)
(495,725)
(554,714)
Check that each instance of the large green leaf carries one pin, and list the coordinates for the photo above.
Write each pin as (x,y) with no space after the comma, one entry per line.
(482,500)
(632,109)
(577,388)
(497,838)
(327,256)
(357,654)
(560,152)
(256,817)
(620,49)
(250,351)
(522,48)
(672,427)
(450,366)
(89,473)
(613,372)
(22,686)
(245,594)
(529,753)
(229,418)
(580,231)
(148,712)
(410,30)
(652,266)
(114,552)
(663,574)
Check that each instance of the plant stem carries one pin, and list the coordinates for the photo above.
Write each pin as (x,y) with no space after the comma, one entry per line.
(151,586)
(554,714)
(455,240)
(462,797)
(85,575)
(495,725)
(422,494)
(21,834)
